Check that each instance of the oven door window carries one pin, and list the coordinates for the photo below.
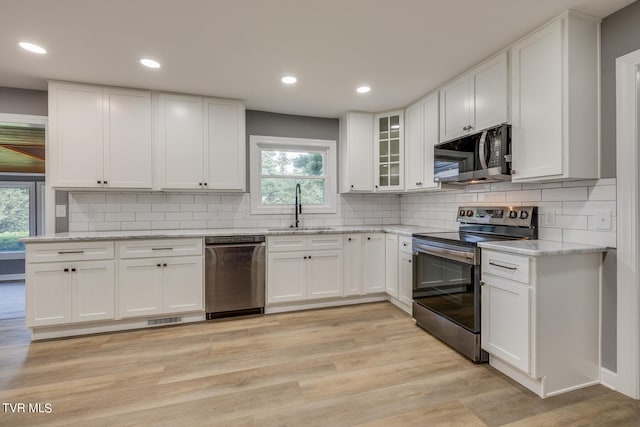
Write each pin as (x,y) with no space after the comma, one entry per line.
(449,288)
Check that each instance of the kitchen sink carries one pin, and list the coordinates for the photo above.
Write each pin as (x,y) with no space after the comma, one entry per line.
(301,229)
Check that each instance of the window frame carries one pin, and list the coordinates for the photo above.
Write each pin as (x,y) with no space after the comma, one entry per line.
(328,147)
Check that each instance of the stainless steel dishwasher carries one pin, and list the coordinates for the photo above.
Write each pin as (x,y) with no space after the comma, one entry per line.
(234,275)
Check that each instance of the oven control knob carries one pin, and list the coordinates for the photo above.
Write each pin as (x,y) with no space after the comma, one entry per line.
(461,213)
(524,215)
(469,212)
(513,214)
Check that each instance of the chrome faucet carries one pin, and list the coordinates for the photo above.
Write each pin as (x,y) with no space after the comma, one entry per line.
(298,206)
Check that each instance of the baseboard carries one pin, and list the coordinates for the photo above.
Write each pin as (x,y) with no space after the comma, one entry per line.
(609,379)
(11,277)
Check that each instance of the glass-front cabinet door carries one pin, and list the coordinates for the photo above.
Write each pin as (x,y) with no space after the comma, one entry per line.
(389,151)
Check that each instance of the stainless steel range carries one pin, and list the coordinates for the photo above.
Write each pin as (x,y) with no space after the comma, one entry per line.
(446,276)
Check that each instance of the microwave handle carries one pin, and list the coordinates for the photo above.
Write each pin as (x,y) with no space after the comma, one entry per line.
(481,150)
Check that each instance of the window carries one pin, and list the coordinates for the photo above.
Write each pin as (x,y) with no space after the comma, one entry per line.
(278,164)
(18,213)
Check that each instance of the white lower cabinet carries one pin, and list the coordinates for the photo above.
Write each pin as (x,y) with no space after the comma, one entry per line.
(400,271)
(406,278)
(149,284)
(391,262)
(364,264)
(540,319)
(304,268)
(69,282)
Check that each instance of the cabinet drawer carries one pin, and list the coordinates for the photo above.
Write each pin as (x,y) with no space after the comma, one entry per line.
(325,241)
(68,251)
(286,243)
(159,248)
(514,267)
(405,243)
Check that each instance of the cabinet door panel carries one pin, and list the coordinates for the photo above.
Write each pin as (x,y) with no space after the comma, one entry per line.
(391,271)
(490,82)
(406,278)
(505,321)
(414,146)
(224,145)
(93,291)
(140,287)
(455,108)
(127,135)
(360,152)
(373,276)
(76,135)
(324,273)
(48,294)
(286,277)
(352,283)
(537,116)
(180,141)
(183,284)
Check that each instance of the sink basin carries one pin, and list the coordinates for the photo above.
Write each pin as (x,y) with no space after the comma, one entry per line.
(301,229)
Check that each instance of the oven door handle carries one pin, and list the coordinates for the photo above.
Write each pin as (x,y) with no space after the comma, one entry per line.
(465,257)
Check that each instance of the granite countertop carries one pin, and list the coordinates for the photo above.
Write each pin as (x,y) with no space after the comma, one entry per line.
(406,230)
(540,247)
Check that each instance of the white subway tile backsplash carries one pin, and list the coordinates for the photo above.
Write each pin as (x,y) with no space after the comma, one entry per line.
(565,194)
(523,196)
(590,237)
(491,197)
(587,207)
(165,207)
(602,192)
(119,216)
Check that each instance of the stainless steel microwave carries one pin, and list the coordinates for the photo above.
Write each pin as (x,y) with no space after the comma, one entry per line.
(482,157)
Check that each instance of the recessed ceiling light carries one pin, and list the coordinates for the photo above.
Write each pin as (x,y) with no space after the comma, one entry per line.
(288,80)
(150,63)
(364,89)
(32,48)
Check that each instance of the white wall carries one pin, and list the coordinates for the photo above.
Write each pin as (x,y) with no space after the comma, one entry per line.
(100,211)
(576,205)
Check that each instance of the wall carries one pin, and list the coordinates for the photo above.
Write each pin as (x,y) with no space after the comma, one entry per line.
(23,101)
(620,34)
(575,205)
(146,210)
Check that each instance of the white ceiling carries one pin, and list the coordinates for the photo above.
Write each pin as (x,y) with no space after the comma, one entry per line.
(241,48)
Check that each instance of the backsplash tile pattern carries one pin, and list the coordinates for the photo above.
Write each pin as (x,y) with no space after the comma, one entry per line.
(574,207)
(109,211)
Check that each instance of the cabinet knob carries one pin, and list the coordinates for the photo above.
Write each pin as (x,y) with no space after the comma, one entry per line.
(351,185)
(404,244)
(164,265)
(99,182)
(205,184)
(305,257)
(66,270)
(481,283)
(368,238)
(409,261)
(104,182)
(376,186)
(349,239)
(200,184)
(309,256)
(158,265)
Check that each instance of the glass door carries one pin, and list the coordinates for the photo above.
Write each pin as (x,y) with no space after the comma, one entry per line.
(449,288)
(389,151)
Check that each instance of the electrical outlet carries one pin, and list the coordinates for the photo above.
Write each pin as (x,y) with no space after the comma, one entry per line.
(549,218)
(603,220)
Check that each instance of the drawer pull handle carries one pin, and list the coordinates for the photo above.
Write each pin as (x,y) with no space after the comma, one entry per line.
(161,249)
(70,252)
(503,266)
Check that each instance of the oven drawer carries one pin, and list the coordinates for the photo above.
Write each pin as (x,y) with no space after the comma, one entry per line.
(514,267)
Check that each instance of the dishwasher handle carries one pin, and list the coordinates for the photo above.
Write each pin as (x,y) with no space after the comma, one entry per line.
(234,245)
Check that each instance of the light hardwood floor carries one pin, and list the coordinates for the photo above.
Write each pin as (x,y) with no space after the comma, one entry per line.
(357,365)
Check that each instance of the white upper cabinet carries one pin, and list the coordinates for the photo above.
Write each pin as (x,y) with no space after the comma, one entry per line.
(356,152)
(554,75)
(475,101)
(421,134)
(99,137)
(127,135)
(225,147)
(200,143)
(180,141)
(389,151)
